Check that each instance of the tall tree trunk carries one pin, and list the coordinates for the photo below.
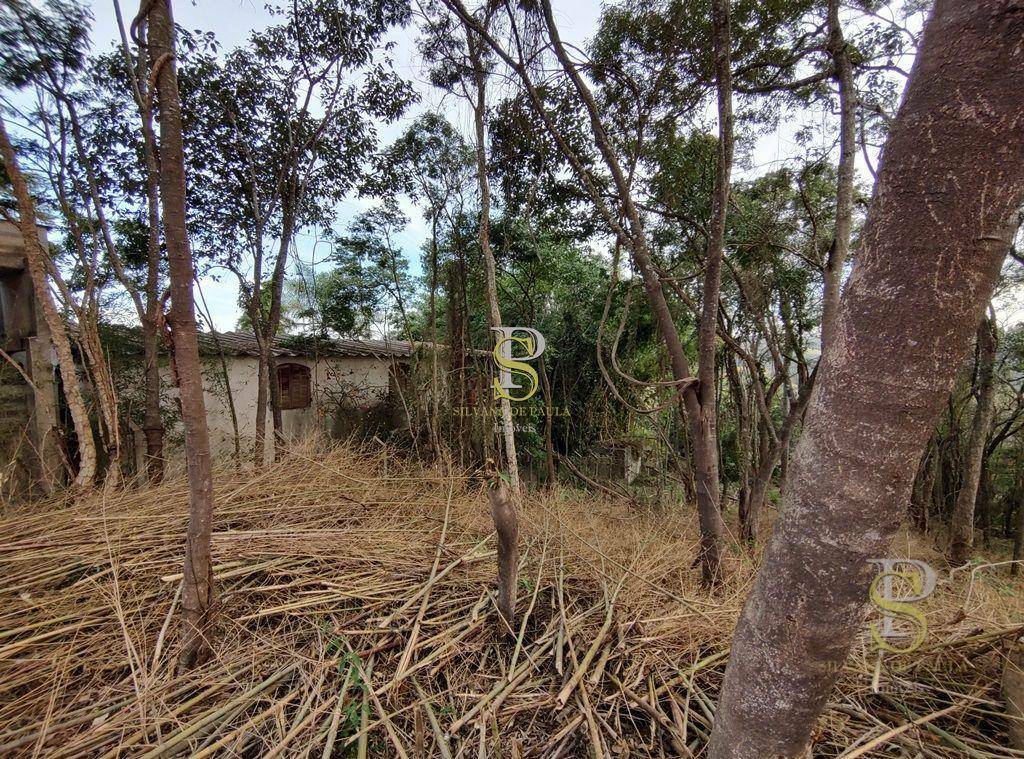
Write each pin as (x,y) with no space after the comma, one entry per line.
(457,358)
(984,504)
(256,316)
(703,418)
(434,406)
(549,420)
(634,233)
(104,392)
(771,453)
(152,424)
(1018,536)
(503,508)
(924,486)
(259,447)
(198,599)
(743,427)
(36,257)
(906,320)
(703,449)
(961,526)
(276,296)
(494,311)
(838,252)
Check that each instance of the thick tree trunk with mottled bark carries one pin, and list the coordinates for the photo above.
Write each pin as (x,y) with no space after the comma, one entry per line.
(198,599)
(961,543)
(35,257)
(939,227)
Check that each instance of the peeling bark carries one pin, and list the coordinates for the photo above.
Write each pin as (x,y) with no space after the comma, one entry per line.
(939,227)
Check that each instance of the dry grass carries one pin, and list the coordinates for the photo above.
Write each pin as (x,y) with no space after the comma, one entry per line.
(357,619)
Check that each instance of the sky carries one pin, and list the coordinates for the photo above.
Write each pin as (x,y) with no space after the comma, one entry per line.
(232,21)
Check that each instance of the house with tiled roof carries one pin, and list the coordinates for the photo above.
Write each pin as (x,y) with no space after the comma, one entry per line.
(325,385)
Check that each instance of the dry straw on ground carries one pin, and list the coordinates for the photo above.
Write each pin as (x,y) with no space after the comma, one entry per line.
(358,619)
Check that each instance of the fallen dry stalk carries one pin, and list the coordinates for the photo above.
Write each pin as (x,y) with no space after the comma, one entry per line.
(359,616)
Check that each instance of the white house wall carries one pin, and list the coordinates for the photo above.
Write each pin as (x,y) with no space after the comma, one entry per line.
(362,383)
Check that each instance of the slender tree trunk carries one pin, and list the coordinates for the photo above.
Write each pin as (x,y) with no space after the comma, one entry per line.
(984,505)
(276,418)
(104,392)
(457,358)
(198,599)
(434,407)
(839,250)
(703,416)
(224,373)
(274,318)
(256,316)
(911,306)
(924,486)
(36,256)
(771,453)
(962,524)
(152,424)
(703,448)
(1018,536)
(259,448)
(549,413)
(503,508)
(494,312)
(634,233)
(739,397)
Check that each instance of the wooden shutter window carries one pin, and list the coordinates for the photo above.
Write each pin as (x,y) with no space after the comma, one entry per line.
(293,386)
